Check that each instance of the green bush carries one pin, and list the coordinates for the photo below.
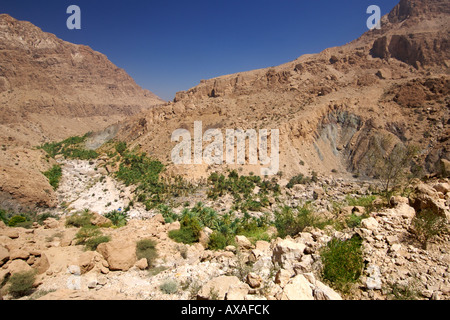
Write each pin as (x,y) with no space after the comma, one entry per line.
(21,284)
(169,287)
(354,221)
(54,176)
(121,147)
(218,241)
(15,220)
(290,222)
(85,233)
(299,179)
(72,147)
(79,219)
(119,219)
(147,249)
(342,262)
(427,225)
(91,244)
(185,236)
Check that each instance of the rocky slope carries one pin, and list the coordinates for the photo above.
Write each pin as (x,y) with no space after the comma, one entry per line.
(395,263)
(329,107)
(50,90)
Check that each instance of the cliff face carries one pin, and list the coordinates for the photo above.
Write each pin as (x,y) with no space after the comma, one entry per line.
(49,90)
(328,106)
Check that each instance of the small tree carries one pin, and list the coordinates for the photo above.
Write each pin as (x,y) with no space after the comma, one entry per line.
(390,161)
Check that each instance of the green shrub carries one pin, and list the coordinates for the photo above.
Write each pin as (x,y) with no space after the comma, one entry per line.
(119,219)
(72,147)
(54,176)
(185,236)
(91,244)
(21,284)
(147,249)
(427,225)
(342,262)
(4,216)
(169,287)
(85,233)
(354,221)
(15,220)
(299,179)
(167,213)
(365,201)
(121,147)
(218,241)
(290,222)
(79,219)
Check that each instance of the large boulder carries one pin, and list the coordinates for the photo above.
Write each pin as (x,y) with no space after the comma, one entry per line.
(287,252)
(222,286)
(120,255)
(298,288)
(4,255)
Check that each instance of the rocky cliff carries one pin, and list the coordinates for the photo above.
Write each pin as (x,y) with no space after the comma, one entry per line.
(49,90)
(328,106)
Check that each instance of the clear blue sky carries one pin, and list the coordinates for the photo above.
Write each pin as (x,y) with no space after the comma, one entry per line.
(170,45)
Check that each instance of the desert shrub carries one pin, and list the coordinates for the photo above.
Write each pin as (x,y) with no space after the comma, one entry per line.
(169,287)
(118,219)
(427,225)
(299,179)
(21,284)
(4,216)
(365,201)
(16,220)
(342,262)
(147,249)
(167,213)
(70,148)
(85,233)
(79,219)
(354,221)
(54,176)
(290,222)
(218,241)
(186,236)
(121,147)
(91,244)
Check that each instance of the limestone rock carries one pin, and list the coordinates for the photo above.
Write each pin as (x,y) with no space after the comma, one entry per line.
(298,288)
(221,286)
(286,252)
(120,255)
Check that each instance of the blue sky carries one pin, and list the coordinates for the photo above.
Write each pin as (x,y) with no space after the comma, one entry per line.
(170,45)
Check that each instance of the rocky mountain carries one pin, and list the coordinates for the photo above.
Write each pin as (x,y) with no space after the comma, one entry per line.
(50,90)
(330,107)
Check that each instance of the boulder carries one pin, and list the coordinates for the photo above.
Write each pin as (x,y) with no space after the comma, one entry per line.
(99,220)
(243,242)
(221,286)
(18,266)
(204,237)
(369,224)
(298,288)
(120,255)
(41,264)
(4,255)
(287,252)
(51,223)
(324,292)
(11,233)
(142,264)
(253,280)
(19,254)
